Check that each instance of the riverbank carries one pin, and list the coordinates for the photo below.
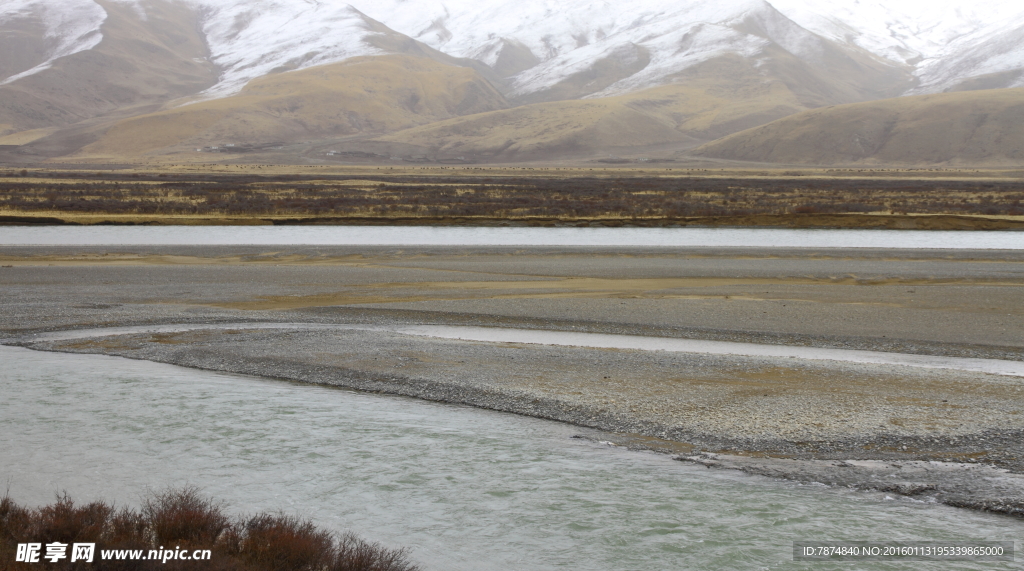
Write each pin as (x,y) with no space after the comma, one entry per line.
(794,220)
(466,489)
(955,444)
(514,197)
(791,418)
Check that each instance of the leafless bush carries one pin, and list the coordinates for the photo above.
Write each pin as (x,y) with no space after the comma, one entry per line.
(186,520)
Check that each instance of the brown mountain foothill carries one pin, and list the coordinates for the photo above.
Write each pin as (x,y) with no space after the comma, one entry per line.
(207,81)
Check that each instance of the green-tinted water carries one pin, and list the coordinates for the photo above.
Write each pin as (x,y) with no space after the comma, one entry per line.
(464,488)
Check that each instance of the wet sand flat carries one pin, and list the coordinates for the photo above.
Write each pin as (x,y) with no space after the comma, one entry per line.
(939,301)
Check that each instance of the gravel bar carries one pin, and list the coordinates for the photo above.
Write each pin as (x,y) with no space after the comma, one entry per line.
(949,436)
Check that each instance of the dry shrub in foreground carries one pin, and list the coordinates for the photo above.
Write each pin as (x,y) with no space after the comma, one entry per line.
(184,520)
(183,517)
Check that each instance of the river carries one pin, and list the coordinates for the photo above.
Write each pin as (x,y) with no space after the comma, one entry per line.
(502,236)
(464,488)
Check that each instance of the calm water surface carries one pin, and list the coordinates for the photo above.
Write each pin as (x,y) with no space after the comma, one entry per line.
(464,488)
(476,236)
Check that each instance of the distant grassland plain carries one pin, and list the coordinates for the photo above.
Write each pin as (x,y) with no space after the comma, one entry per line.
(938,199)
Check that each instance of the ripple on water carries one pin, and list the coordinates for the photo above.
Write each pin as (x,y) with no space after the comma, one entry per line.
(464,488)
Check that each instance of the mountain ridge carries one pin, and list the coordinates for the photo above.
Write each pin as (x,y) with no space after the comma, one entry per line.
(952,129)
(80,75)
(941,46)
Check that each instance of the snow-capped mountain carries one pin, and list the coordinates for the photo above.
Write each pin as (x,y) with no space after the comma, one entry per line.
(251,39)
(68,27)
(490,78)
(945,41)
(539,43)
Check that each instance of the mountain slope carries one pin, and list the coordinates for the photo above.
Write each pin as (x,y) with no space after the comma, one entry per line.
(560,129)
(34,34)
(542,47)
(947,42)
(962,128)
(367,95)
(135,63)
(712,100)
(941,42)
(630,75)
(554,51)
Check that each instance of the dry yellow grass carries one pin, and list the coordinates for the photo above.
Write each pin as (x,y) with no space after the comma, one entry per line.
(139,64)
(360,95)
(534,130)
(161,165)
(24,137)
(680,115)
(962,128)
(420,105)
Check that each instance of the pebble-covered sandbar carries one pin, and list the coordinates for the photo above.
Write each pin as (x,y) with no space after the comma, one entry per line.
(955,436)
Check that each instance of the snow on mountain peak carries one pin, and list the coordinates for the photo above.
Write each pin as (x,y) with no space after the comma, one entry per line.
(671,41)
(72,26)
(249,39)
(540,43)
(944,39)
(568,37)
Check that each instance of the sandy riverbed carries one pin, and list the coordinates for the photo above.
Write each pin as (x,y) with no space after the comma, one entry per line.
(810,420)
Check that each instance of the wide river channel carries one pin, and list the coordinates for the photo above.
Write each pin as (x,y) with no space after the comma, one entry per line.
(498,236)
(463,488)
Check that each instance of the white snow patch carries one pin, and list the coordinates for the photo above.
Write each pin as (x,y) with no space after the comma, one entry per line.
(72,25)
(249,39)
(942,41)
(946,40)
